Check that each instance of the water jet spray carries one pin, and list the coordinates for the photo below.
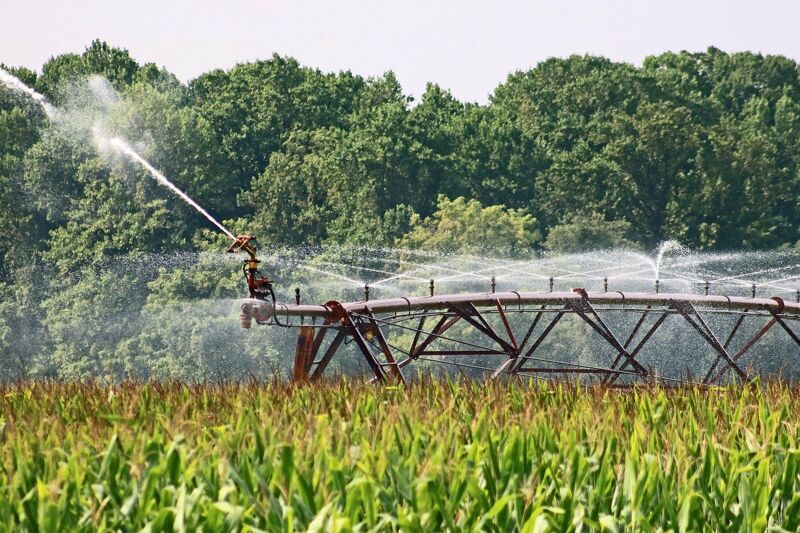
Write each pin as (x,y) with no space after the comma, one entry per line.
(15,84)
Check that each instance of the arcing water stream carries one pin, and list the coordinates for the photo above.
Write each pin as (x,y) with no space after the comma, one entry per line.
(123,147)
(14,83)
(117,143)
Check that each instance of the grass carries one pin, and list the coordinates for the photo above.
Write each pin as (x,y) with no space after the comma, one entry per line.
(438,455)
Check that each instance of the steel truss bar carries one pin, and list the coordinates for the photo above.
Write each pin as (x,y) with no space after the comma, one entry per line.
(741,352)
(478,367)
(507,326)
(422,303)
(484,327)
(510,349)
(639,346)
(542,336)
(464,365)
(577,365)
(387,352)
(727,343)
(688,310)
(398,318)
(636,327)
(365,324)
(734,330)
(786,328)
(463,352)
(410,358)
(530,329)
(322,364)
(315,348)
(607,334)
(417,334)
(364,346)
(611,371)
(432,336)
(579,370)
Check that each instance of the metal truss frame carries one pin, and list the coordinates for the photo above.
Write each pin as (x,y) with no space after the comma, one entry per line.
(486,316)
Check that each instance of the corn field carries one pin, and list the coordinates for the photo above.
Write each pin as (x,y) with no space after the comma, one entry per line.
(446,455)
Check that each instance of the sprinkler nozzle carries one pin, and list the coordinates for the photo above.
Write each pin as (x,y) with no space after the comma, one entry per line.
(494,284)
(551,283)
(431,287)
(260,286)
(366,293)
(658,284)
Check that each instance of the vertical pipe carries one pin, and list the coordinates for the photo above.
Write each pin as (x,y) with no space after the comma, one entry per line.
(366,293)
(494,284)
(605,284)
(658,283)
(753,291)
(551,283)
(705,288)
(431,287)
(303,354)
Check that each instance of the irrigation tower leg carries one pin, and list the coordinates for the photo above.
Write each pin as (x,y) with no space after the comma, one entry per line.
(304,354)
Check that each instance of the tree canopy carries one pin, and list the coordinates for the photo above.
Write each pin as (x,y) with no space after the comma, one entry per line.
(575,153)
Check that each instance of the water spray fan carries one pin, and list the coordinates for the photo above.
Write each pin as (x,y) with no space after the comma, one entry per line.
(259,285)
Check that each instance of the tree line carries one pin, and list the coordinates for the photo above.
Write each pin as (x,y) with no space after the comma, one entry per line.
(576,153)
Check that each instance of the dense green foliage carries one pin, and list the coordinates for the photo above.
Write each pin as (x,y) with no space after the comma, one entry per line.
(438,456)
(575,153)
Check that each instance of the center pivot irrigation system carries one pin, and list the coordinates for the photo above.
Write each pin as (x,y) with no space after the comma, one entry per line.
(504,330)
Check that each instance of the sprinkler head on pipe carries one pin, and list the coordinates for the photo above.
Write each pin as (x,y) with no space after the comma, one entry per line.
(259,285)
(658,283)
(366,293)
(431,287)
(494,284)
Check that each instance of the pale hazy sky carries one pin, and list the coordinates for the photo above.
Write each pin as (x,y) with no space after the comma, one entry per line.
(468,47)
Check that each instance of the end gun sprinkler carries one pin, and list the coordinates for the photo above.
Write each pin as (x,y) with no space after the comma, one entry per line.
(259,285)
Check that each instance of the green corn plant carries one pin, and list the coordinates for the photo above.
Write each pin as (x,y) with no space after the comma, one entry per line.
(435,455)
